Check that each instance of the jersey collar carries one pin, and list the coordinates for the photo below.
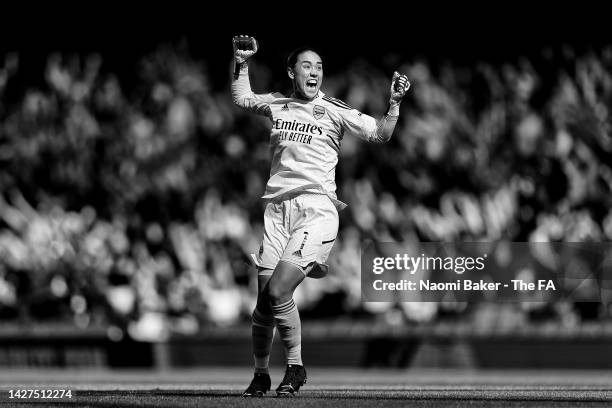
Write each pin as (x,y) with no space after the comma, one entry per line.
(320,95)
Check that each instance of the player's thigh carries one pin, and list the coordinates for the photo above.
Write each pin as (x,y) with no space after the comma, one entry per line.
(263,299)
(263,277)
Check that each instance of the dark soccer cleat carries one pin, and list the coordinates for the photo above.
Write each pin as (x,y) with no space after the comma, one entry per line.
(259,386)
(295,377)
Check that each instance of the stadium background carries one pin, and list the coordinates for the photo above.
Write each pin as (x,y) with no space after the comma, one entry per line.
(130,186)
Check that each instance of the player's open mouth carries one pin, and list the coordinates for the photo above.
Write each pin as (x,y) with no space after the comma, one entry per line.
(311,84)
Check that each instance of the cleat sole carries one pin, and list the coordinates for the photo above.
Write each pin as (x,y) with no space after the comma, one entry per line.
(257,394)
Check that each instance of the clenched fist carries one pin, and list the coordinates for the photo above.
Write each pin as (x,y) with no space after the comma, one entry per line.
(244,47)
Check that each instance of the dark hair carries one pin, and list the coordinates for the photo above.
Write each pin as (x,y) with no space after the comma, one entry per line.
(293,56)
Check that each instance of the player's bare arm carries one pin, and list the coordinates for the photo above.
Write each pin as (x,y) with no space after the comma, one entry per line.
(386,125)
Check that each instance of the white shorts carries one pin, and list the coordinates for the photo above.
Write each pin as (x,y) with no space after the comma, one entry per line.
(299,230)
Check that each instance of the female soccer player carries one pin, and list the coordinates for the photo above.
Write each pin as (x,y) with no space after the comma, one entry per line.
(301,214)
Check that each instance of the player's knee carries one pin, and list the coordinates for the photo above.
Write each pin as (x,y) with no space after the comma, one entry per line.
(279,293)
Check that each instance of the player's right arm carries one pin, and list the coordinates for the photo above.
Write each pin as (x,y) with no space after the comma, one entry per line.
(242,95)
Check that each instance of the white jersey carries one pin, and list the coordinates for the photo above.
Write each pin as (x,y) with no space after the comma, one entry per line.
(305,139)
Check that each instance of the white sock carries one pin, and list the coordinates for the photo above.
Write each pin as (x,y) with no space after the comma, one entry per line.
(262,332)
(289,328)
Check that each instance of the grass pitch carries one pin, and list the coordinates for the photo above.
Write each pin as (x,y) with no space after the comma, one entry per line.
(326,387)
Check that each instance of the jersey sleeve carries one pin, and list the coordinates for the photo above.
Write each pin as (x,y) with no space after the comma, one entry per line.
(244,97)
(358,124)
(363,126)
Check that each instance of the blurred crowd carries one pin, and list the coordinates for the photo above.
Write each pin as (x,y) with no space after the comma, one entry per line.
(137,205)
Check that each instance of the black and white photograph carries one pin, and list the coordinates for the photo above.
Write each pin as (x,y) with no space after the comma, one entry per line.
(305,205)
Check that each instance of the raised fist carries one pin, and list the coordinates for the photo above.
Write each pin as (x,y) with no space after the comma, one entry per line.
(244,47)
(399,87)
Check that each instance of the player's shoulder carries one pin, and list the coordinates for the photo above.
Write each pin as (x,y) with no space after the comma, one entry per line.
(278,97)
(335,104)
(272,98)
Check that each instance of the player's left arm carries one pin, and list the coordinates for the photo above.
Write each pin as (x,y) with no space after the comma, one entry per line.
(379,131)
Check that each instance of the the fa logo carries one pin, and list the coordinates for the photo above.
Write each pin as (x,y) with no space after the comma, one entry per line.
(546,285)
(318,112)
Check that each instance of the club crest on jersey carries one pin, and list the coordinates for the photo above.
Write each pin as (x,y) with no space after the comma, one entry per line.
(318,112)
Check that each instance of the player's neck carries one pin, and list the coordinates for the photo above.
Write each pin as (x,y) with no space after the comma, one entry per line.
(303,98)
